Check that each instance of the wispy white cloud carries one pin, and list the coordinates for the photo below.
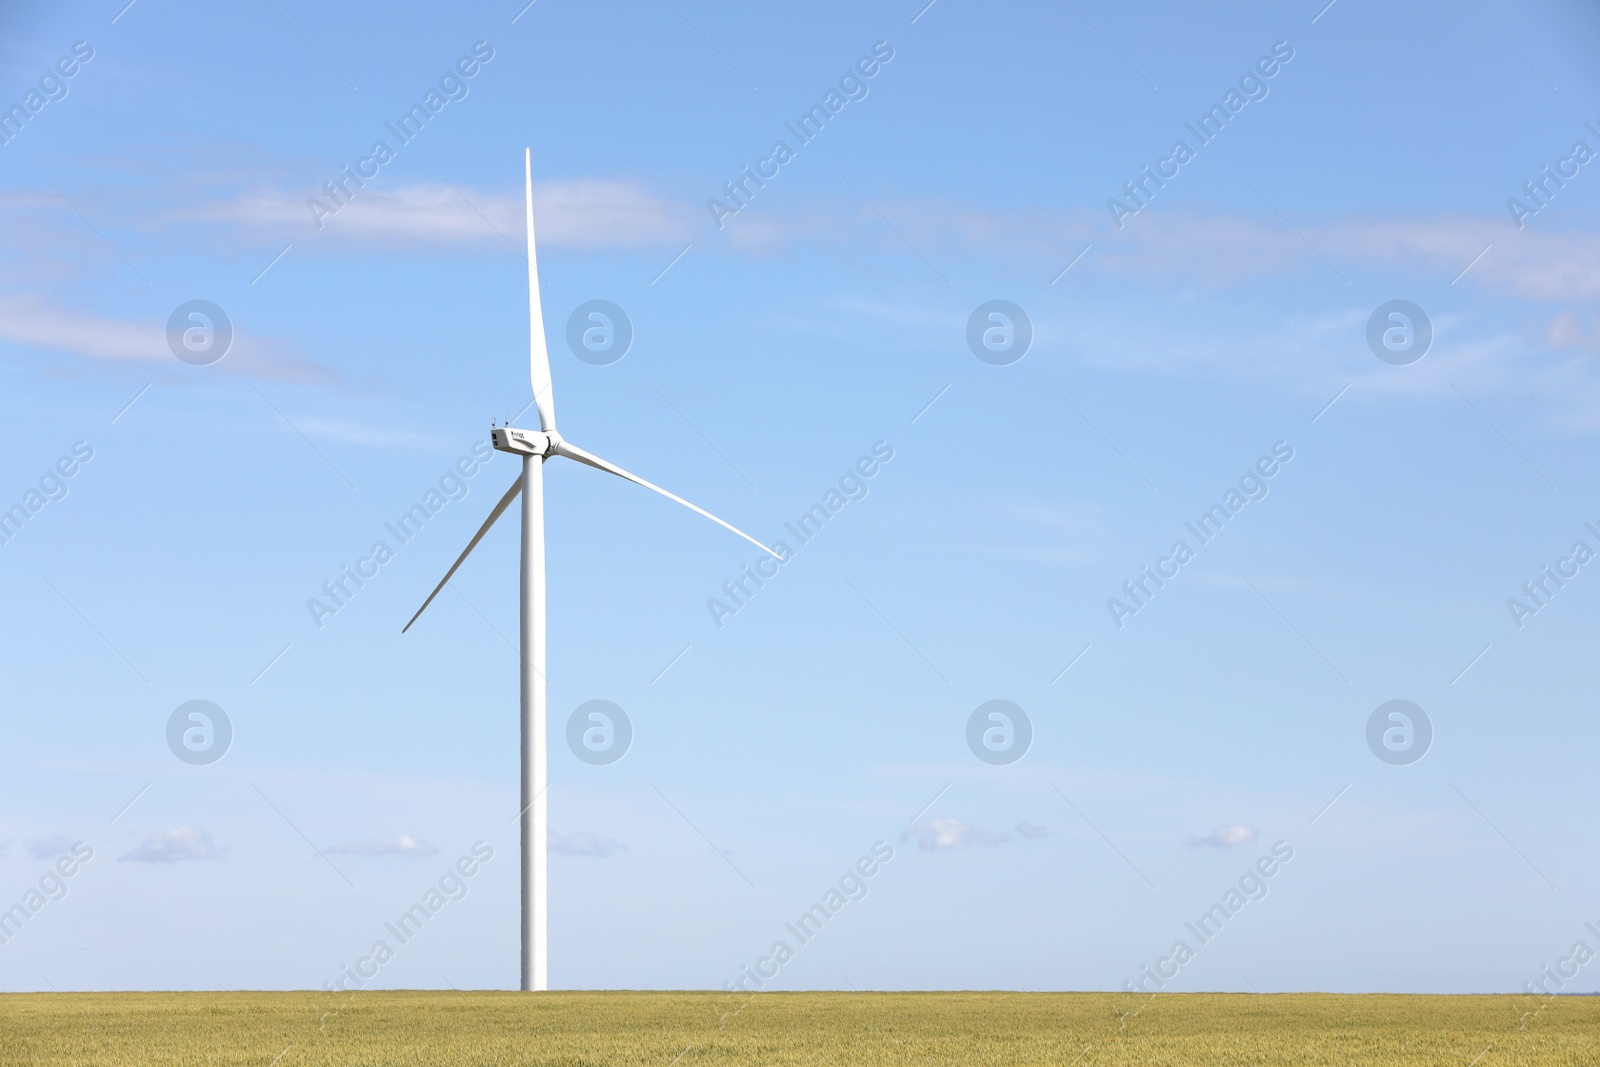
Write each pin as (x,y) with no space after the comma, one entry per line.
(36,323)
(583,213)
(942,835)
(33,322)
(1226,837)
(1546,359)
(1534,264)
(1314,356)
(597,213)
(173,846)
(1217,250)
(1207,249)
(1181,243)
(402,845)
(1567,331)
(584,843)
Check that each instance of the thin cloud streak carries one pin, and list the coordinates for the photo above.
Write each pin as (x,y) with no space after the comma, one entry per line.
(32,322)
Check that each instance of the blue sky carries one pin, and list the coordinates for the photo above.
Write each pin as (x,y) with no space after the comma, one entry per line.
(1226,317)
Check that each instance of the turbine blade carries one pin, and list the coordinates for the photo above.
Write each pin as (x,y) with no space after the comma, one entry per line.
(538,353)
(499,509)
(572,451)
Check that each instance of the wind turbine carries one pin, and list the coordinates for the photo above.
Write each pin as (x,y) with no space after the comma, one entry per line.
(535,448)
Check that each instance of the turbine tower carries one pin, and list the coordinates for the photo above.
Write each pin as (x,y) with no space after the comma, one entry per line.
(535,447)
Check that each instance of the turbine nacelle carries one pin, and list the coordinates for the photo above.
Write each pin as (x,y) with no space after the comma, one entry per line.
(525,442)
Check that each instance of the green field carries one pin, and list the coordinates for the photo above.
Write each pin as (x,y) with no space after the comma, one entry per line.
(662,1029)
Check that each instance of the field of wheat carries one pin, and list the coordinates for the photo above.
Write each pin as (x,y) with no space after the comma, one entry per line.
(464,1029)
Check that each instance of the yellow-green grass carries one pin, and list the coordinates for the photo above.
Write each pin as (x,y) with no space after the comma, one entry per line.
(857,1029)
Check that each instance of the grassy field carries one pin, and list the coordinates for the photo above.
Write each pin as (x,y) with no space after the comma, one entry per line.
(858,1029)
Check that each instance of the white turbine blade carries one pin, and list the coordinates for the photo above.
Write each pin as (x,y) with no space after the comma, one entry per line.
(538,353)
(571,451)
(499,509)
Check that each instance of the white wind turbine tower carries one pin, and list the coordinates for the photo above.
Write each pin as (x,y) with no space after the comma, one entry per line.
(535,448)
